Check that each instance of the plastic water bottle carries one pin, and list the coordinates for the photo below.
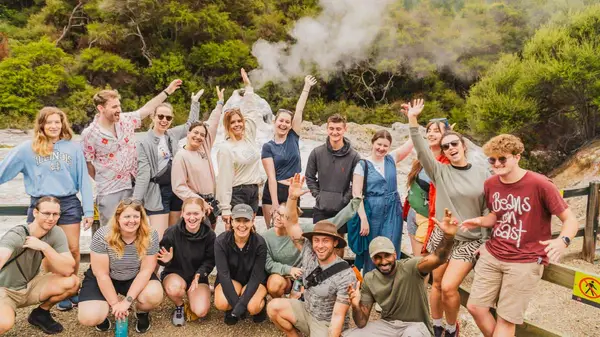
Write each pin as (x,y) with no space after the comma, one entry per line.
(121,327)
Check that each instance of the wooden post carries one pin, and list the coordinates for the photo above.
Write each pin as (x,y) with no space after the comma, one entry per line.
(591,223)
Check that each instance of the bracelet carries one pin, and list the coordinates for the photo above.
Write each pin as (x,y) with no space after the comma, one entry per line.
(220,102)
(292,198)
(166,93)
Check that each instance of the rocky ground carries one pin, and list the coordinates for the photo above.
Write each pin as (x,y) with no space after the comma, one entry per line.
(552,306)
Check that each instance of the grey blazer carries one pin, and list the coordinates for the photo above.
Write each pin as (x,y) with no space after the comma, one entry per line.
(147,149)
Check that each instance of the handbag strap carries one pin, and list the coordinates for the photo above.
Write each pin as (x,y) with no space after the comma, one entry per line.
(14,259)
(366,171)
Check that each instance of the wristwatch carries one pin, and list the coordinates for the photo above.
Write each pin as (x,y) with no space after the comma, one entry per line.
(566,240)
(129,299)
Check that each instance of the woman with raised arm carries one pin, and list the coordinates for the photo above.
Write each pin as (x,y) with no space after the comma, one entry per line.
(239,157)
(281,156)
(155,156)
(53,165)
(193,174)
(123,258)
(380,212)
(459,189)
(187,252)
(240,256)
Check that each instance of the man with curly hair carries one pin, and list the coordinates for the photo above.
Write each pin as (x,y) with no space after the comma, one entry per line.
(521,205)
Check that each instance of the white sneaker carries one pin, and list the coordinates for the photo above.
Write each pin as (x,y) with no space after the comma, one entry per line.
(178,318)
(378,307)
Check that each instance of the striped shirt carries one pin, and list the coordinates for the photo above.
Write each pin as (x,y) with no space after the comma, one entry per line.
(128,266)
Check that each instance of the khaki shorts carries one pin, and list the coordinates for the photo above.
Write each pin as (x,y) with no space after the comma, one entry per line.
(422,225)
(382,328)
(25,297)
(306,323)
(510,285)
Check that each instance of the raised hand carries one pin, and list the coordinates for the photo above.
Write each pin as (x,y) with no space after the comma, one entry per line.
(413,109)
(448,225)
(196,97)
(165,256)
(295,190)
(309,81)
(245,78)
(220,94)
(354,294)
(173,86)
(34,243)
(296,273)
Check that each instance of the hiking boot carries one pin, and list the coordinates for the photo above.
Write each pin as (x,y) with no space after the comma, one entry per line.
(229,319)
(64,305)
(104,326)
(452,334)
(178,318)
(438,331)
(143,322)
(261,316)
(43,319)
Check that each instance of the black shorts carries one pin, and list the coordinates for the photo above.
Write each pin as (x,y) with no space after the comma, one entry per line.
(90,291)
(71,211)
(170,202)
(282,194)
(188,280)
(319,215)
(245,194)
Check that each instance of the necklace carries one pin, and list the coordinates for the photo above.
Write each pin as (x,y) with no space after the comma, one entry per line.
(202,154)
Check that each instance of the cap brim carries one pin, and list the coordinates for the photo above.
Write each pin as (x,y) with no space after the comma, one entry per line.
(245,216)
(341,242)
(387,251)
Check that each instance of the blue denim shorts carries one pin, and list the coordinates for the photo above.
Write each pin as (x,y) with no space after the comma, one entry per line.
(71,211)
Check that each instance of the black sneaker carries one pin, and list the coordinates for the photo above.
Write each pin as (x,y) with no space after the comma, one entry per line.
(261,316)
(229,319)
(104,326)
(43,319)
(143,322)
(438,331)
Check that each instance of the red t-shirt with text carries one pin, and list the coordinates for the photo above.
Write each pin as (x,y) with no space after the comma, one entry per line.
(523,211)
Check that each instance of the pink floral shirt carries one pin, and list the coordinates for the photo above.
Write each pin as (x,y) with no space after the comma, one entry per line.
(114,159)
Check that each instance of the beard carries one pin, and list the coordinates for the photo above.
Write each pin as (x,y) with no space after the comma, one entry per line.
(391,270)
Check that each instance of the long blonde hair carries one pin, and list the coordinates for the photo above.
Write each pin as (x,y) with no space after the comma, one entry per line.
(142,239)
(227,121)
(41,144)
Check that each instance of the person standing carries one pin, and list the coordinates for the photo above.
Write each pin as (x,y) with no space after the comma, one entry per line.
(53,165)
(459,188)
(155,156)
(512,261)
(281,156)
(22,250)
(188,254)
(240,171)
(193,173)
(380,212)
(329,172)
(109,147)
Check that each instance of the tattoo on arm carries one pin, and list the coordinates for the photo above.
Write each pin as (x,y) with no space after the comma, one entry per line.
(437,258)
(361,315)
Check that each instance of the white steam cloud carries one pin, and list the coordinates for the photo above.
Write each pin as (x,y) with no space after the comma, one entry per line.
(388,36)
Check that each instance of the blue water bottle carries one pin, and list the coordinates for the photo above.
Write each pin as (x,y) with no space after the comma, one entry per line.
(121,327)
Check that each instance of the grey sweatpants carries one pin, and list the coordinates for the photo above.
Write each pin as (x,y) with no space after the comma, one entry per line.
(381,328)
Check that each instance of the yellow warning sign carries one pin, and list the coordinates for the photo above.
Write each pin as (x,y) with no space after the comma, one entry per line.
(586,289)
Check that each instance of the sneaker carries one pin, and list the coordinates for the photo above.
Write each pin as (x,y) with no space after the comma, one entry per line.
(64,305)
(143,322)
(452,334)
(229,319)
(104,326)
(261,316)
(43,319)
(178,317)
(75,300)
(438,331)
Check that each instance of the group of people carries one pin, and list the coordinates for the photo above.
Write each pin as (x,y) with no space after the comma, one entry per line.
(159,200)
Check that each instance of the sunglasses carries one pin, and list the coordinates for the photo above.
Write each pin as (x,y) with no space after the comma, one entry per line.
(131,201)
(161,117)
(441,120)
(493,160)
(446,146)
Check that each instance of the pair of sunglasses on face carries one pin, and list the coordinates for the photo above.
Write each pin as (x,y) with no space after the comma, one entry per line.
(493,160)
(446,146)
(161,117)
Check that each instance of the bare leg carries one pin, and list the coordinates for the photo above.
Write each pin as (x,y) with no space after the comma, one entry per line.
(221,302)
(174,217)
(277,285)
(484,319)
(281,314)
(435,297)
(57,289)
(200,300)
(151,297)
(175,287)
(72,232)
(452,279)
(258,301)
(267,209)
(160,223)
(92,313)
(504,328)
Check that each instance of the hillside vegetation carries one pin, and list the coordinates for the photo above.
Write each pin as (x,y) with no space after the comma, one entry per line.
(528,67)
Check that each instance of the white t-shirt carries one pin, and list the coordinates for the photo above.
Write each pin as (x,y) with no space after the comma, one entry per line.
(164,154)
(379,167)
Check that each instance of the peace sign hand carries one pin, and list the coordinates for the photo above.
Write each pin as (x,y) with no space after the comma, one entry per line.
(220,94)
(196,97)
